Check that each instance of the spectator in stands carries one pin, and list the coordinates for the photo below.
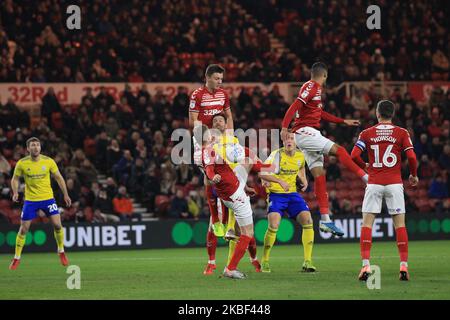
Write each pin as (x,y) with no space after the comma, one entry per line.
(444,158)
(103,207)
(193,207)
(87,173)
(438,188)
(123,206)
(5,167)
(113,154)
(333,170)
(5,190)
(50,105)
(179,206)
(122,169)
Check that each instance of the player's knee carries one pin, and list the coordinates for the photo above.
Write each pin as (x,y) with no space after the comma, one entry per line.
(304,217)
(334,149)
(23,230)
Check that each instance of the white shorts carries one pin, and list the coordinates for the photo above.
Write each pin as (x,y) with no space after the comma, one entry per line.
(240,203)
(313,144)
(392,193)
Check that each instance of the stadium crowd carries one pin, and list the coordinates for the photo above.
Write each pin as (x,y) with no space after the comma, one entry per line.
(128,141)
(119,42)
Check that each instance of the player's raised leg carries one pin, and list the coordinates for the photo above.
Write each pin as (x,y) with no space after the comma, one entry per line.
(365,244)
(402,244)
(20,243)
(348,162)
(304,218)
(320,191)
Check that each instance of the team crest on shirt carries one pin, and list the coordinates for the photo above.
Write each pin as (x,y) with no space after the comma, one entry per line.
(299,163)
(192,104)
(44,168)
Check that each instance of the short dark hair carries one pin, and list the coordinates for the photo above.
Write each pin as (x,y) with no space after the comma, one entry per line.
(386,109)
(318,69)
(214,68)
(199,133)
(32,139)
(220,114)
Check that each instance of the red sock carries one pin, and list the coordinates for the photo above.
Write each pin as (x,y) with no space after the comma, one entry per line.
(347,161)
(212,203)
(365,242)
(402,243)
(252,248)
(239,251)
(224,213)
(211,245)
(320,189)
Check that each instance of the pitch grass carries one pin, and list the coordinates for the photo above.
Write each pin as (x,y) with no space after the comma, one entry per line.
(177,274)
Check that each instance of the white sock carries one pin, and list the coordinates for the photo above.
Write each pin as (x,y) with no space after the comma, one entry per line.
(251,259)
(404,263)
(365,178)
(17,257)
(211,261)
(60,251)
(365,262)
(325,217)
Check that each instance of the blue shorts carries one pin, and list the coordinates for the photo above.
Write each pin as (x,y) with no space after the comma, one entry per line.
(30,208)
(290,203)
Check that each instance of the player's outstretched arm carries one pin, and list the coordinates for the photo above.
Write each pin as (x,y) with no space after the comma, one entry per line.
(62,185)
(15,188)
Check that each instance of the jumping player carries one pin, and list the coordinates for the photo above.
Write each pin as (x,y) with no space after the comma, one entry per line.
(308,111)
(384,143)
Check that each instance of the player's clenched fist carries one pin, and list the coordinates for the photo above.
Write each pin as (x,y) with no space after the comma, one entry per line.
(15,197)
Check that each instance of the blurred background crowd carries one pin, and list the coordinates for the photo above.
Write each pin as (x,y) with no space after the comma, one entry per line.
(115,154)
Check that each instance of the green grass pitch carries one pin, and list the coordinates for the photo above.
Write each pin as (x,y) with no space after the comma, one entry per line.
(177,274)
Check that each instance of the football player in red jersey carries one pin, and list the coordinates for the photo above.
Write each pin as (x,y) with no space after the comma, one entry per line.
(308,111)
(230,185)
(205,102)
(384,143)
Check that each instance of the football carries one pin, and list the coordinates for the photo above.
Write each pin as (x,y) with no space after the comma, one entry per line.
(235,152)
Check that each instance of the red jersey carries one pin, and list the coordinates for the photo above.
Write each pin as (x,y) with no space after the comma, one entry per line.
(310,112)
(214,164)
(207,104)
(384,143)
